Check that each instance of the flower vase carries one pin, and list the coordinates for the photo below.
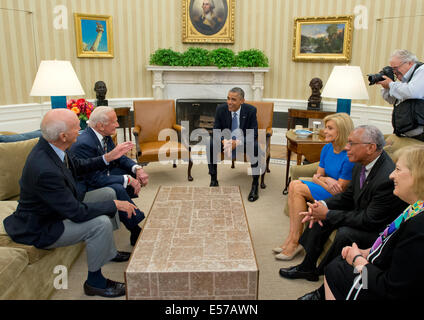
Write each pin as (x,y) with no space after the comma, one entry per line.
(83,124)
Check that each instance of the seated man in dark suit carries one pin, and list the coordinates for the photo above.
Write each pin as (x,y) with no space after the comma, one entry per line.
(52,213)
(123,174)
(235,133)
(359,213)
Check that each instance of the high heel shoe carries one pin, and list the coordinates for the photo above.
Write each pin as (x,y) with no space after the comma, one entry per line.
(283,257)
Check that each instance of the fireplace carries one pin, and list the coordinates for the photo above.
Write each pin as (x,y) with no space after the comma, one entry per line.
(199,90)
(200,113)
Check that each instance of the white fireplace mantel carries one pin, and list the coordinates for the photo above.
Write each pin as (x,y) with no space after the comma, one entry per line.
(206,82)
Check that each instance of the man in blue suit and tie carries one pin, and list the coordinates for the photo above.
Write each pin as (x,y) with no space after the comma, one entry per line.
(123,175)
(235,132)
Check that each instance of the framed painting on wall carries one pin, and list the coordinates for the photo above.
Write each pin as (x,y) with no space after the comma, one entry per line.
(323,39)
(208,21)
(94,35)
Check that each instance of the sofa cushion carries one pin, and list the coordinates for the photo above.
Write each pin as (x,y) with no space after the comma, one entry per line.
(394,143)
(12,161)
(7,208)
(12,263)
(34,254)
(20,136)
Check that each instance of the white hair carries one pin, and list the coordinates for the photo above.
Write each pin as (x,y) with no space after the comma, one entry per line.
(405,56)
(212,4)
(100,114)
(372,134)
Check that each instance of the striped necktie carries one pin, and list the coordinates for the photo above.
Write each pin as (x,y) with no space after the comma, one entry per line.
(234,124)
(362,177)
(105,144)
(105,151)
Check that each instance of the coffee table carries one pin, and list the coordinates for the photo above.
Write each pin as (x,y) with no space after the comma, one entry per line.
(195,244)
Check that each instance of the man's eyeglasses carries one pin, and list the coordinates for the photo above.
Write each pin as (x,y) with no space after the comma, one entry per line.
(350,143)
(397,68)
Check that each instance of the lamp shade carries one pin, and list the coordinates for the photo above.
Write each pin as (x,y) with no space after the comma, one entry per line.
(346,82)
(56,78)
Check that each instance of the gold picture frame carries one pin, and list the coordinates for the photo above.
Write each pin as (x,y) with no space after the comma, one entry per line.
(94,35)
(323,39)
(209,24)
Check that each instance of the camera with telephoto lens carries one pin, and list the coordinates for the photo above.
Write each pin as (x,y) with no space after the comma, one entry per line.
(386,71)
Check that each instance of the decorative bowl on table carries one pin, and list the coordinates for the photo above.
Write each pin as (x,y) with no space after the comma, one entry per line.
(303,133)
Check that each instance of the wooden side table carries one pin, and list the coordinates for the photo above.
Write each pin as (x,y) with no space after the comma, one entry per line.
(310,147)
(309,114)
(125,113)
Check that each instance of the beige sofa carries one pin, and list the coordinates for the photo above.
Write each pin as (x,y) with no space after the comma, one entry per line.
(25,271)
(393,143)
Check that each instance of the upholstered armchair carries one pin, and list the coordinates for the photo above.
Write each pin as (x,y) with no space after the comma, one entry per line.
(156,133)
(264,114)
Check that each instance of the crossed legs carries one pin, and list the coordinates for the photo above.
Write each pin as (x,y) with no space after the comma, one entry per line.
(298,195)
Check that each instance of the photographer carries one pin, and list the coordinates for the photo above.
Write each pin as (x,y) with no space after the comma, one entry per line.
(407,95)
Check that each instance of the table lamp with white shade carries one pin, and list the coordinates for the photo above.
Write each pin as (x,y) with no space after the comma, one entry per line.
(344,84)
(56,79)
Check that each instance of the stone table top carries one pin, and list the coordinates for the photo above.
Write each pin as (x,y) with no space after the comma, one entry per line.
(198,230)
(195,229)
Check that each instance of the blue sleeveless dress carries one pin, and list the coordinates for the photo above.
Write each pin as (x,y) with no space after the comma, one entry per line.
(336,166)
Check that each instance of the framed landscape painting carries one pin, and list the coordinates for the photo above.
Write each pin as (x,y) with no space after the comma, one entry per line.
(208,21)
(94,35)
(323,39)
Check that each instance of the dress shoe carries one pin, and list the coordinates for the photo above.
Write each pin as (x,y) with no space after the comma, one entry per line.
(122,256)
(284,257)
(113,289)
(253,195)
(214,183)
(296,273)
(314,295)
(134,236)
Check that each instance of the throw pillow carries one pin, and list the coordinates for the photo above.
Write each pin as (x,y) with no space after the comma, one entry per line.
(20,136)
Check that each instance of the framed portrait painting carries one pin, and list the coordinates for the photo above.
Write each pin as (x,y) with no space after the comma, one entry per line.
(208,21)
(94,35)
(323,39)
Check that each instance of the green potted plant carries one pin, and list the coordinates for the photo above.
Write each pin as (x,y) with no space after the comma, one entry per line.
(165,57)
(222,58)
(195,57)
(251,58)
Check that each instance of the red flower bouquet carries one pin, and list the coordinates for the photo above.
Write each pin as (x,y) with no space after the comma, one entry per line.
(81,107)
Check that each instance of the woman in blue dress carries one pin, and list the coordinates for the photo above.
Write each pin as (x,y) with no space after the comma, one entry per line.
(333,175)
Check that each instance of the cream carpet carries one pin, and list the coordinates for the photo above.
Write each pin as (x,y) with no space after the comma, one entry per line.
(268,225)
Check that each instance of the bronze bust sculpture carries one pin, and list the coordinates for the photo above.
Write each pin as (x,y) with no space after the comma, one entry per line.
(314,101)
(101,90)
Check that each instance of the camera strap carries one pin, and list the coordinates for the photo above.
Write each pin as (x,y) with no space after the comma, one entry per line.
(417,65)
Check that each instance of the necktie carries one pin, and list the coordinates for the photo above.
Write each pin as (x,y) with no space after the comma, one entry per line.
(105,144)
(66,160)
(362,177)
(105,151)
(234,124)
(234,127)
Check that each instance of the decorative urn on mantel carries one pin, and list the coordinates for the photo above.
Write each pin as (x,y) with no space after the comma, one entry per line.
(206,82)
